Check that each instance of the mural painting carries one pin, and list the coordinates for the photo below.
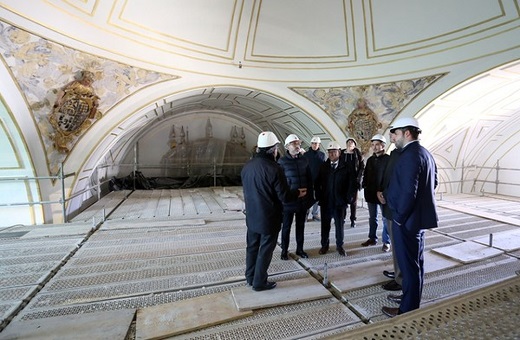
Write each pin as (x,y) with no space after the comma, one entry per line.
(363,111)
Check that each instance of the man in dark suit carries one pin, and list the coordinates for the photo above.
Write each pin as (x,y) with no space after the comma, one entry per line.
(265,190)
(333,192)
(411,196)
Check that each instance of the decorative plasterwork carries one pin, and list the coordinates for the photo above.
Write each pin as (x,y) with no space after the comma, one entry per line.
(362,111)
(42,67)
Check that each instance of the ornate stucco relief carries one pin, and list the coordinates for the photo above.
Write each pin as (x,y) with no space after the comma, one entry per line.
(362,111)
(43,69)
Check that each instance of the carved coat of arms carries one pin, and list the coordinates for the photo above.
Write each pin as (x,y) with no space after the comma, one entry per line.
(362,125)
(74,111)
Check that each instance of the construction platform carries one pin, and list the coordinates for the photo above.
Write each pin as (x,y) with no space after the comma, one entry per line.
(170,264)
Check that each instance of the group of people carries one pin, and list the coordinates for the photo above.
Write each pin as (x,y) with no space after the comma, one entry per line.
(281,188)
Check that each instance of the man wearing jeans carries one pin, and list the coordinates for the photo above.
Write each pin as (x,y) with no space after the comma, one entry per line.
(372,183)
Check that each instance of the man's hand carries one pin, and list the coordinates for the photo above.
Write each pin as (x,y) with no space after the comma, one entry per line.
(380,197)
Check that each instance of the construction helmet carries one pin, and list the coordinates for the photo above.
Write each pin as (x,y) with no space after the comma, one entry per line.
(333,146)
(315,139)
(266,139)
(403,123)
(291,138)
(352,139)
(379,137)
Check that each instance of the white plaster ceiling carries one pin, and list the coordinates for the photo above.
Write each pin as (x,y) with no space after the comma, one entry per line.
(242,58)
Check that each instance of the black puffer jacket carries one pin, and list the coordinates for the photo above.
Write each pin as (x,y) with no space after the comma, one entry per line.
(265,190)
(298,174)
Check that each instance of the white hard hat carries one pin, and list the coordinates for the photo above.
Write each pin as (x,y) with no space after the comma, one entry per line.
(404,122)
(352,139)
(266,139)
(291,138)
(379,137)
(333,146)
(315,139)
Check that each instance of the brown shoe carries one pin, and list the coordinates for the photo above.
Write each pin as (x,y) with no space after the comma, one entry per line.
(324,250)
(369,242)
(390,311)
(341,251)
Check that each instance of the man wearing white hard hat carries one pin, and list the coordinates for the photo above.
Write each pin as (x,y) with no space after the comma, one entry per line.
(333,191)
(265,190)
(298,173)
(372,183)
(411,196)
(316,158)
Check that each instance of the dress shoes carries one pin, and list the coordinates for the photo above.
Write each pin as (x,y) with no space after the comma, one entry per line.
(395,298)
(268,285)
(316,219)
(284,256)
(389,274)
(392,285)
(324,250)
(352,224)
(390,311)
(341,251)
(369,242)
(302,254)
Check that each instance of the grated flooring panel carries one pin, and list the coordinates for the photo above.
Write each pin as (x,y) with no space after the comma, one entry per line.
(141,257)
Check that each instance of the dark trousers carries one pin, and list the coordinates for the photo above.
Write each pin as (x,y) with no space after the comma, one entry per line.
(259,253)
(409,249)
(353,208)
(300,229)
(327,213)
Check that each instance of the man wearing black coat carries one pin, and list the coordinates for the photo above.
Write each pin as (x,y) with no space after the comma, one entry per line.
(334,190)
(265,190)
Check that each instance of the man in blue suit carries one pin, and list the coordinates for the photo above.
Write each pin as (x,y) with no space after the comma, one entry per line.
(411,197)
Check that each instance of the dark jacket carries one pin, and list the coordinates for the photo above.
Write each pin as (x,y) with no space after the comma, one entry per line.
(316,159)
(298,174)
(333,187)
(265,189)
(387,176)
(411,194)
(373,177)
(355,165)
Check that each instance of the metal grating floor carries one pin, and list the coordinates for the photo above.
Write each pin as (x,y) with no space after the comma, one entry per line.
(153,251)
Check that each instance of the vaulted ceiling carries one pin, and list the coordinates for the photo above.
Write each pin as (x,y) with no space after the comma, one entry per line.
(268,65)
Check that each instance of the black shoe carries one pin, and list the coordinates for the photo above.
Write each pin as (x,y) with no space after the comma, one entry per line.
(302,254)
(268,285)
(390,311)
(284,256)
(369,242)
(395,298)
(392,285)
(352,224)
(389,274)
(324,250)
(341,251)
